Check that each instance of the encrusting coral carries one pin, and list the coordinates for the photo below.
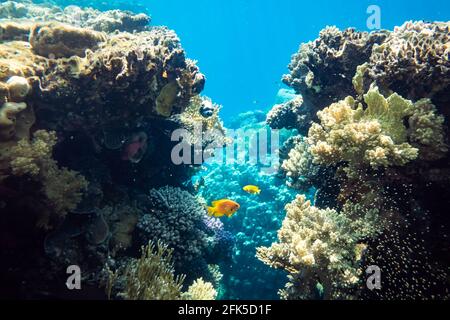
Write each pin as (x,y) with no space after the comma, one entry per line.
(320,246)
(413,61)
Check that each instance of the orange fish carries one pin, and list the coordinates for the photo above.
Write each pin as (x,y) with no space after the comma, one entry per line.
(224,207)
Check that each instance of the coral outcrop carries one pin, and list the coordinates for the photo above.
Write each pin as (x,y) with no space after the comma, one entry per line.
(379,108)
(63,41)
(319,246)
(322,70)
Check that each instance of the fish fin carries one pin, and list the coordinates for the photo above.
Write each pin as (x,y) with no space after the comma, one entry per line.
(214,203)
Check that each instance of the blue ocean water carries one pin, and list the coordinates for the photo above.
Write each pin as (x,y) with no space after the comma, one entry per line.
(244,46)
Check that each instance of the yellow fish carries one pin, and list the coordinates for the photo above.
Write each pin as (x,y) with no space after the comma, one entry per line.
(224,207)
(252,189)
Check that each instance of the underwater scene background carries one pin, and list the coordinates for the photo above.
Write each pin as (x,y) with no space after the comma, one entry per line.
(241,149)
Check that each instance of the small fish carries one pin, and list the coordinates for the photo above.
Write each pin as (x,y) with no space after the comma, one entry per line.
(224,207)
(165,75)
(252,189)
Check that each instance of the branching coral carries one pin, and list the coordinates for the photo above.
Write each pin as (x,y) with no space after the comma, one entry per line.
(299,166)
(62,187)
(200,290)
(426,131)
(152,277)
(176,218)
(375,136)
(319,246)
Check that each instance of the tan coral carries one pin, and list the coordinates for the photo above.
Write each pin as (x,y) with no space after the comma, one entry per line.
(200,290)
(320,245)
(58,40)
(8,114)
(62,187)
(375,136)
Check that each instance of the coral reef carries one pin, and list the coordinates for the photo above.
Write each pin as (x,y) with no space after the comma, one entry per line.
(87,17)
(319,246)
(86,97)
(377,150)
(255,223)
